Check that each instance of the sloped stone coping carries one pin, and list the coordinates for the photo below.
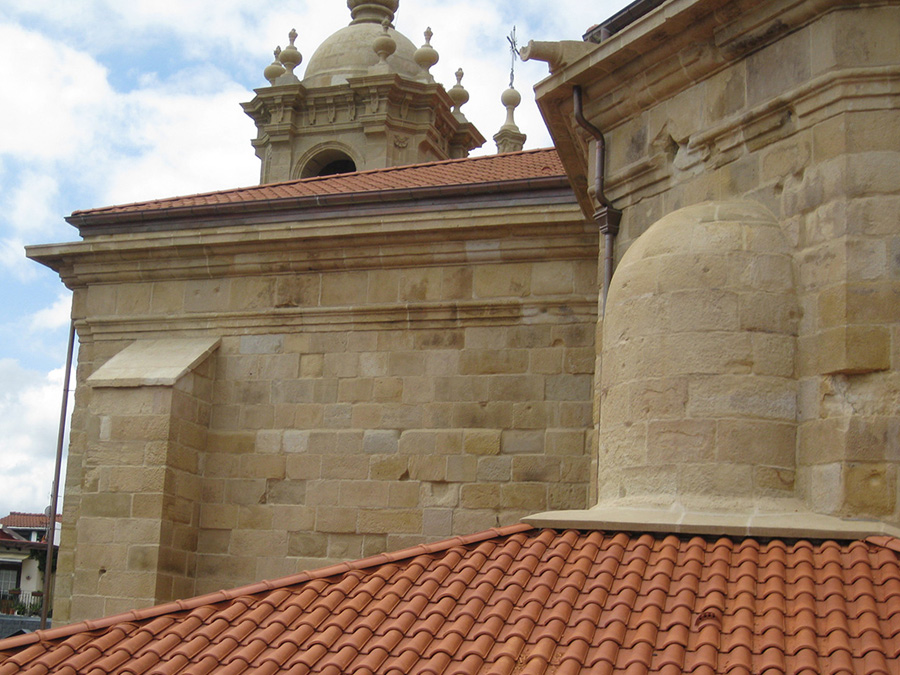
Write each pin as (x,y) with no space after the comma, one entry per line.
(158,363)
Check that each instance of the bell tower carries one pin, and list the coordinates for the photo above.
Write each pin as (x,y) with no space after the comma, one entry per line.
(367,101)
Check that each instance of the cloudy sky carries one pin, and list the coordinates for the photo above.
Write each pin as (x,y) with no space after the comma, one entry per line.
(105,102)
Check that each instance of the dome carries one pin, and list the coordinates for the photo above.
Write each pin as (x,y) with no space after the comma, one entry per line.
(348,53)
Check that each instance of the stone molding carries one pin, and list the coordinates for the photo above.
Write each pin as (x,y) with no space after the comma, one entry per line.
(401,316)
(685,43)
(734,26)
(551,192)
(364,113)
(837,91)
(553,233)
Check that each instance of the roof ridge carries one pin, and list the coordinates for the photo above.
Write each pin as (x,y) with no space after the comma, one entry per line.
(403,167)
(315,179)
(258,587)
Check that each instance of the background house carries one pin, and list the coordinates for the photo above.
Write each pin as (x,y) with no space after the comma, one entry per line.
(22,555)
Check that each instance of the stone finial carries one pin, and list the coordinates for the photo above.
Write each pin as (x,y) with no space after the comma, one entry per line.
(274,70)
(290,57)
(510,138)
(372,11)
(384,45)
(459,96)
(426,55)
(510,100)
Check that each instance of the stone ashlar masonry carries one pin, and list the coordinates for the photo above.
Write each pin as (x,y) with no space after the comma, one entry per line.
(794,106)
(351,385)
(376,121)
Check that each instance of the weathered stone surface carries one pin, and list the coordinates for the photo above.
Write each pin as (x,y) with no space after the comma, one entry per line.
(772,126)
(386,380)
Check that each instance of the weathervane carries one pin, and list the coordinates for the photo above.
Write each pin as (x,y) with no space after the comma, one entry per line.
(514,52)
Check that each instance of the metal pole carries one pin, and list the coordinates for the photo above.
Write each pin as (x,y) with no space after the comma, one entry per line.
(54,497)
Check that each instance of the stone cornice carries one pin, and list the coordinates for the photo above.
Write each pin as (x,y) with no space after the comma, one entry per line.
(298,109)
(872,88)
(674,47)
(734,27)
(446,237)
(396,316)
(372,104)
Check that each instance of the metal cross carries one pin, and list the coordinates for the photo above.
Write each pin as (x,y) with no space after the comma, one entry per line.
(514,52)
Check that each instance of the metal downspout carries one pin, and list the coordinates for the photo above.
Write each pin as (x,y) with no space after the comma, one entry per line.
(54,499)
(606,217)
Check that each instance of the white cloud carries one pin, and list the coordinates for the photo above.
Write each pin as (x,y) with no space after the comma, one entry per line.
(29,417)
(184,143)
(51,96)
(27,206)
(13,260)
(55,316)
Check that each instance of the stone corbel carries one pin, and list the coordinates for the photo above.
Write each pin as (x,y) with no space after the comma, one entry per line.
(404,107)
(374,102)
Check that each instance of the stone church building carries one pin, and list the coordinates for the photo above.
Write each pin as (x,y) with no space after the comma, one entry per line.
(683,319)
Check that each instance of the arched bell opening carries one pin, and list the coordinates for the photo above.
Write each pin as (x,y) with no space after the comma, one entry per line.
(329,162)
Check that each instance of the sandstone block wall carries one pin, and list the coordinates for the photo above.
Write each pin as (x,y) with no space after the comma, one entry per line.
(791,106)
(333,446)
(137,490)
(364,396)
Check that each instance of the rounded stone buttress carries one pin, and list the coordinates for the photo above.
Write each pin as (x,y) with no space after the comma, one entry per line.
(698,394)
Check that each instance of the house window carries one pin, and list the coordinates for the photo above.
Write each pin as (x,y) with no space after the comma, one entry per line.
(9,578)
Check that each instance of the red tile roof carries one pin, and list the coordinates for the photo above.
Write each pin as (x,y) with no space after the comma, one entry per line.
(31,520)
(515,166)
(522,601)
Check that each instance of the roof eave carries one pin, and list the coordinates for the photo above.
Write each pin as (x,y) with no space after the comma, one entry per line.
(250,589)
(85,221)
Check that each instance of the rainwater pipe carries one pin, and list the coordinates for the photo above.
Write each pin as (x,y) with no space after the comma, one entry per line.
(606,217)
(54,495)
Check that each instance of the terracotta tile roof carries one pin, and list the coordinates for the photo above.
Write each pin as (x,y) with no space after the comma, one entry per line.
(522,601)
(9,535)
(32,520)
(515,166)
